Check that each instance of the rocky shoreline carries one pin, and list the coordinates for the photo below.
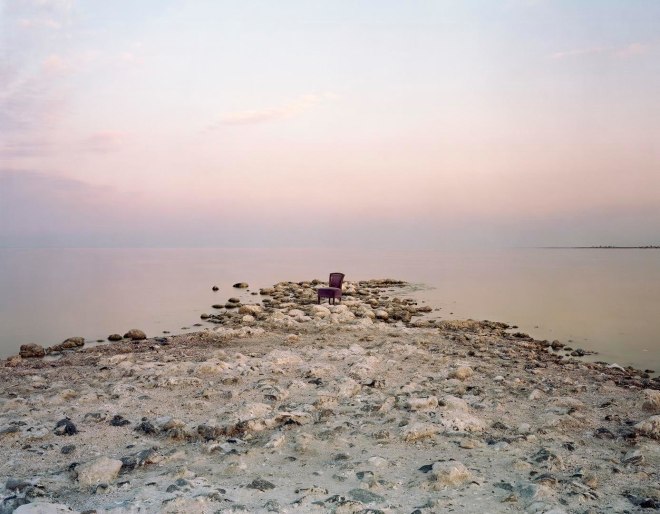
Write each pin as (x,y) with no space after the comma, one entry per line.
(368,406)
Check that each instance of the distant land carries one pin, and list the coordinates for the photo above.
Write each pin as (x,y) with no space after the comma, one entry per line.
(607,247)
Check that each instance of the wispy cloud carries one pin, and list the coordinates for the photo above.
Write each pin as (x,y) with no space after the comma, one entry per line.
(630,50)
(32,92)
(294,108)
(105,141)
(579,53)
(39,23)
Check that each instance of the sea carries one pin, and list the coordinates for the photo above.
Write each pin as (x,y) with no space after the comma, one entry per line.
(602,300)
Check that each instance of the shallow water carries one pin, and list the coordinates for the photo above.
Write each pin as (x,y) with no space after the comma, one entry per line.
(603,300)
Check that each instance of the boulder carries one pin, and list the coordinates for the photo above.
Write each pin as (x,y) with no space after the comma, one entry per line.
(135,334)
(115,337)
(31,350)
(68,344)
(73,342)
(241,285)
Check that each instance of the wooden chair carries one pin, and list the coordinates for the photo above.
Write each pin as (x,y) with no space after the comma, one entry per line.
(334,291)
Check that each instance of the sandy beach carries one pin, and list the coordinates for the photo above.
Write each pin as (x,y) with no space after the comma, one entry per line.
(367,406)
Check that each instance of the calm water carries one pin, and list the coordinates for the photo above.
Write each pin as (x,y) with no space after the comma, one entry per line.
(604,300)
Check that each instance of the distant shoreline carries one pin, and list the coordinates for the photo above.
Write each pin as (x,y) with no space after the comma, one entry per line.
(650,247)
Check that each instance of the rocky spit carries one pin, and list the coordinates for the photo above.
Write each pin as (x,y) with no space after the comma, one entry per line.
(370,406)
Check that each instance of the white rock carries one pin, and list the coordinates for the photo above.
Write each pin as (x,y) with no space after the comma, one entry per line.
(652,401)
(254,410)
(44,508)
(422,404)
(101,470)
(283,358)
(247,318)
(650,427)
(535,394)
(319,311)
(250,309)
(418,431)
(451,473)
(567,402)
(377,462)
(461,373)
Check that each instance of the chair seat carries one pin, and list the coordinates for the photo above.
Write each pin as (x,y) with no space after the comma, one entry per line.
(329,292)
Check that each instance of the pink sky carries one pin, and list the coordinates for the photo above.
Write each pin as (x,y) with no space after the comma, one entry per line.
(427,124)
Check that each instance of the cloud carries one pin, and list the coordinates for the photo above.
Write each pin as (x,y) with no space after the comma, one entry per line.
(39,23)
(631,50)
(54,64)
(294,108)
(104,141)
(579,53)
(32,92)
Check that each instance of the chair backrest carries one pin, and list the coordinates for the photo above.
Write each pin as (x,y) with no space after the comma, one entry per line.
(336,280)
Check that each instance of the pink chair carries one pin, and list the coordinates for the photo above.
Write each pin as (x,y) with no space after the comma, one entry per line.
(334,291)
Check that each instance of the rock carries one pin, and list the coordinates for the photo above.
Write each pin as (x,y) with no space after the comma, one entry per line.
(215,288)
(649,427)
(260,484)
(119,421)
(250,309)
(135,334)
(652,401)
(422,404)
(451,473)
(13,361)
(69,344)
(535,394)
(101,470)
(418,431)
(146,427)
(365,496)
(115,337)
(461,373)
(65,427)
(68,449)
(73,342)
(382,314)
(633,457)
(32,350)
(44,508)
(14,484)
(241,285)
